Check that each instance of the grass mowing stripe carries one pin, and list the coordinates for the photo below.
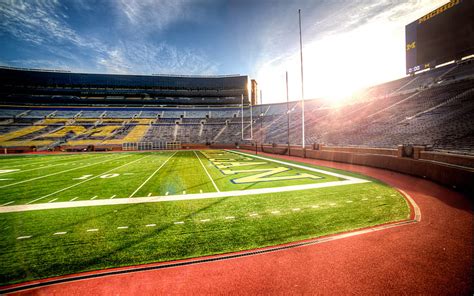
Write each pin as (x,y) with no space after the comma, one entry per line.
(45,159)
(60,172)
(74,185)
(207,173)
(62,162)
(151,176)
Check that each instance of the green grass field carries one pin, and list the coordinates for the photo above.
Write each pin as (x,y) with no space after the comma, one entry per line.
(106,218)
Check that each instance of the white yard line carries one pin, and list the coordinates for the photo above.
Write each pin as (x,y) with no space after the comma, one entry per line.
(74,198)
(7,203)
(57,173)
(113,196)
(212,180)
(87,180)
(53,200)
(137,200)
(151,176)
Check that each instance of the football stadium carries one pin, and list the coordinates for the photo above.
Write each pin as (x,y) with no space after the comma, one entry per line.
(146,184)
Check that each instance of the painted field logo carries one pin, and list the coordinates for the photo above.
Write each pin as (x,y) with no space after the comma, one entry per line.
(232,166)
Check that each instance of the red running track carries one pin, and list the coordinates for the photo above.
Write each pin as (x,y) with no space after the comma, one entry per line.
(433,256)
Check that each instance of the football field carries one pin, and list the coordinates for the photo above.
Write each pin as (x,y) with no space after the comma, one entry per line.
(68,213)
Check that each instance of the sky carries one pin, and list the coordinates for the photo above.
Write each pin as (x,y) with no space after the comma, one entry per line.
(347,44)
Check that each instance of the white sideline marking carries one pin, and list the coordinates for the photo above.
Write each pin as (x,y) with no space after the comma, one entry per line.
(87,180)
(295,209)
(136,200)
(92,230)
(23,237)
(149,194)
(53,200)
(113,196)
(150,225)
(151,176)
(212,180)
(94,197)
(122,227)
(167,193)
(60,172)
(205,220)
(275,212)
(74,198)
(179,222)
(8,203)
(60,233)
(230,217)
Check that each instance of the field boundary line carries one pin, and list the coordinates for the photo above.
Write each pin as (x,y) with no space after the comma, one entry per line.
(299,166)
(60,172)
(212,180)
(153,199)
(77,184)
(151,176)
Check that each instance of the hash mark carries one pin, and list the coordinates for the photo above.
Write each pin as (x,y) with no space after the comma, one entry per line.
(230,217)
(94,197)
(60,233)
(150,225)
(24,237)
(179,222)
(74,198)
(113,196)
(149,194)
(205,220)
(93,229)
(52,200)
(122,227)
(275,212)
(295,209)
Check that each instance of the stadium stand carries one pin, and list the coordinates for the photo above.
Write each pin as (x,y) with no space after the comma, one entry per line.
(432,108)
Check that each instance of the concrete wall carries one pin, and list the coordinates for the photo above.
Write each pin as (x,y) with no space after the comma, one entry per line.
(455,176)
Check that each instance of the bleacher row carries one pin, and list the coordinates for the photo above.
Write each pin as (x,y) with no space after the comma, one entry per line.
(434,108)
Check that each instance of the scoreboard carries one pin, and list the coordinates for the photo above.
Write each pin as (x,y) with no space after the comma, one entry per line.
(443,35)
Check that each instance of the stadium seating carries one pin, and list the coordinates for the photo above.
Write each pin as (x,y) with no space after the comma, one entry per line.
(433,108)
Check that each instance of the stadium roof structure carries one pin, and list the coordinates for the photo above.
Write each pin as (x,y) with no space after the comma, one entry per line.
(38,85)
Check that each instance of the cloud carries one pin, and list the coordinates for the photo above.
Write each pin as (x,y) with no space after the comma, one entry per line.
(158,14)
(344,48)
(145,58)
(42,24)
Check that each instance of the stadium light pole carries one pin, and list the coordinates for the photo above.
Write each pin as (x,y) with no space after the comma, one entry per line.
(261,120)
(302,85)
(287,114)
